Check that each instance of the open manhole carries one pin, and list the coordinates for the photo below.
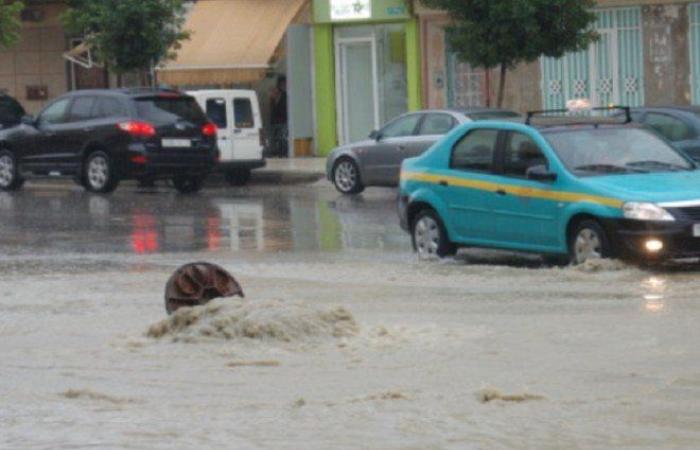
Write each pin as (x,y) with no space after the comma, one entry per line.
(197,284)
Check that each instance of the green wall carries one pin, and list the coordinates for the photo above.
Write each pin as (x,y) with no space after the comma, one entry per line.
(326,124)
(413,63)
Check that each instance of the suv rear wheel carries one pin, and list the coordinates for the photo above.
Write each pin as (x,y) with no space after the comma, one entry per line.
(188,184)
(430,237)
(238,177)
(10,180)
(589,241)
(100,175)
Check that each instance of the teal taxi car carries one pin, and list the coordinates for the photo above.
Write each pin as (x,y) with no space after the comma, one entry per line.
(574,187)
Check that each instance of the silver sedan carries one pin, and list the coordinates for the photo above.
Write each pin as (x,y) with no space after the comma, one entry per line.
(377,160)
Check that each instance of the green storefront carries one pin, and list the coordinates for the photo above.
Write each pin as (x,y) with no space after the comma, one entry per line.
(367,67)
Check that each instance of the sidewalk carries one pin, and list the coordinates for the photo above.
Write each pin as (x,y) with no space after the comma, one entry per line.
(290,171)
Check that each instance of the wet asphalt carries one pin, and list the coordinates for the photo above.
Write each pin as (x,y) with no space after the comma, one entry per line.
(55,222)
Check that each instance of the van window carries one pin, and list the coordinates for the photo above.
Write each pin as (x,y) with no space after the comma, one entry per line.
(166,110)
(81,109)
(243,110)
(216,111)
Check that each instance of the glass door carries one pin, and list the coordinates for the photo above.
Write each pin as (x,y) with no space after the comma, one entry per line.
(356,84)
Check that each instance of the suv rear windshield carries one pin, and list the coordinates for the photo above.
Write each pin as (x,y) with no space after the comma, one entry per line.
(165,110)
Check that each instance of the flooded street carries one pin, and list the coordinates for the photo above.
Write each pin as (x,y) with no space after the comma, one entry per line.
(487,351)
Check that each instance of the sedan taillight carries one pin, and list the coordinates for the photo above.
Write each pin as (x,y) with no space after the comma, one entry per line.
(138,129)
(209,129)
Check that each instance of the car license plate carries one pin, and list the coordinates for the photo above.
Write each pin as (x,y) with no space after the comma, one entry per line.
(177,143)
(696,230)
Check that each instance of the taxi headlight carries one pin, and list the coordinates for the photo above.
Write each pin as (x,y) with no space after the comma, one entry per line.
(646,211)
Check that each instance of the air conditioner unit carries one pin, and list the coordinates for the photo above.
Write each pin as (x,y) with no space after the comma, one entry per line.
(32,15)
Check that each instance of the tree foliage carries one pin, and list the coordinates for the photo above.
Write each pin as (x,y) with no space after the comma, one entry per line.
(10,23)
(128,35)
(505,33)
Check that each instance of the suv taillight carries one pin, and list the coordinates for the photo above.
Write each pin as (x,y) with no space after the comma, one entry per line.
(209,129)
(138,129)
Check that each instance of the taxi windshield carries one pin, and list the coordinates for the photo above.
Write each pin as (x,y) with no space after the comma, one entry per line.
(615,151)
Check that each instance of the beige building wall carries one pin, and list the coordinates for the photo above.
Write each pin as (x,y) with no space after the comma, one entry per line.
(666,58)
(37,60)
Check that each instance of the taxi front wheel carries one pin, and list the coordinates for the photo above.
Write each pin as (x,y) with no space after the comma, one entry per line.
(589,241)
(429,236)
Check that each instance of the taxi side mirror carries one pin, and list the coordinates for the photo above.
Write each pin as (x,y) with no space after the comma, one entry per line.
(540,173)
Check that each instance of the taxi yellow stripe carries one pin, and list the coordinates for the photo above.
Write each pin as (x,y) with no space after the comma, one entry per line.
(519,191)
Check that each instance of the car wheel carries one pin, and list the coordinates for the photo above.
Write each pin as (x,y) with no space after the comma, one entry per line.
(237,177)
(589,241)
(430,237)
(188,184)
(100,175)
(10,180)
(346,177)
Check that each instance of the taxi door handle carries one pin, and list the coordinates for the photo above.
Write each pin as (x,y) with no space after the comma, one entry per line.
(501,192)
(401,148)
(443,183)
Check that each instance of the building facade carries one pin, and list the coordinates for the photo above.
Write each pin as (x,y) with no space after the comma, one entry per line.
(366,67)
(648,54)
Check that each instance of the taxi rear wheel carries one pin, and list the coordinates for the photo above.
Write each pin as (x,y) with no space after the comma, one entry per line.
(430,237)
(589,241)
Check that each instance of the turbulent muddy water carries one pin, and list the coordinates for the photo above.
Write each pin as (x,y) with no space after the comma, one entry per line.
(344,340)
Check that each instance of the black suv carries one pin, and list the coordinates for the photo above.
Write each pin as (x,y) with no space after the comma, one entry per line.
(11,112)
(100,137)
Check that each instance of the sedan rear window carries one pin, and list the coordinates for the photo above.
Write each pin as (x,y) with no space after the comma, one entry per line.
(165,110)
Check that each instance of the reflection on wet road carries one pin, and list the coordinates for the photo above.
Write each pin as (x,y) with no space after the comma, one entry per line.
(50,222)
(598,356)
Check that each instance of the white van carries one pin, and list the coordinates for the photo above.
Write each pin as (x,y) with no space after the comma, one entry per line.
(236,113)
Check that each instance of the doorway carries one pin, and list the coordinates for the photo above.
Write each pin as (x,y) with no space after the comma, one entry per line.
(356,83)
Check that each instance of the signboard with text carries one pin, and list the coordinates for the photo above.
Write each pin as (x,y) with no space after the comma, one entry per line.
(340,11)
(351,9)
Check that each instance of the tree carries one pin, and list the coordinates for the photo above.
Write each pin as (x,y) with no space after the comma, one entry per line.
(128,35)
(505,33)
(10,23)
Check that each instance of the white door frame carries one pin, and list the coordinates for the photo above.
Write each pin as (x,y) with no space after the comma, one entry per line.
(341,85)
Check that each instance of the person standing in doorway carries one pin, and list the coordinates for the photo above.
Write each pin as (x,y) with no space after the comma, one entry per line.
(278,118)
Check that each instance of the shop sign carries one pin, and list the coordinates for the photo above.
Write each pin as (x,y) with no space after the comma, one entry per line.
(351,9)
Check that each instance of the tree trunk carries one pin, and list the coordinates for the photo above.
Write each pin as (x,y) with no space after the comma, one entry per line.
(502,85)
(487,86)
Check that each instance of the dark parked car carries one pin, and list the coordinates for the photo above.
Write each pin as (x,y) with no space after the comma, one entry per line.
(101,137)
(11,112)
(678,124)
(377,161)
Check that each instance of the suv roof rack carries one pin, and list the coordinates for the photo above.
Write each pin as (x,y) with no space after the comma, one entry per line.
(582,119)
(146,90)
